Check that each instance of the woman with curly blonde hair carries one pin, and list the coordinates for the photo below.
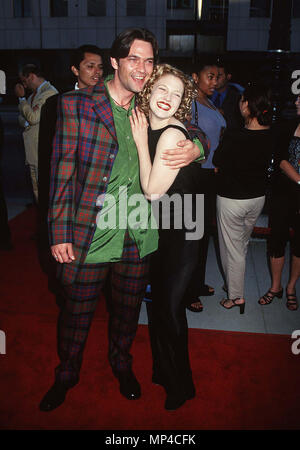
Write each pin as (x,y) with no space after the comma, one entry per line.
(190,92)
(156,126)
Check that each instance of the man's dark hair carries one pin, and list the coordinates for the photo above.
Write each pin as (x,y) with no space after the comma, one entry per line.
(224,65)
(122,44)
(78,54)
(32,68)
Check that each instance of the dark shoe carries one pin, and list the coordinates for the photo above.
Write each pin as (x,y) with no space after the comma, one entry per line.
(129,386)
(291,301)
(225,301)
(190,393)
(196,306)
(174,402)
(54,397)
(269,297)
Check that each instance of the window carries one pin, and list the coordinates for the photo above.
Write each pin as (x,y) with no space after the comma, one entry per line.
(260,8)
(22,8)
(136,7)
(296,9)
(96,7)
(181,43)
(218,10)
(180,4)
(58,8)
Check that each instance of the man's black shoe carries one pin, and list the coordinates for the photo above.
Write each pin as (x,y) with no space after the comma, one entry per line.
(129,386)
(54,397)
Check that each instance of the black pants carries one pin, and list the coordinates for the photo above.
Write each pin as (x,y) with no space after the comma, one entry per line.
(283,215)
(5,235)
(208,185)
(171,269)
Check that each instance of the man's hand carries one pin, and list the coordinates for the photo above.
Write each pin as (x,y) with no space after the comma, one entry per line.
(182,156)
(19,90)
(63,253)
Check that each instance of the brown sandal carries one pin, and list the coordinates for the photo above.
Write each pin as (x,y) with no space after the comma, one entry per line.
(291,302)
(269,297)
(225,301)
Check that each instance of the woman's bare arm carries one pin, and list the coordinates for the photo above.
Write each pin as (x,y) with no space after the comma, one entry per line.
(289,170)
(156,179)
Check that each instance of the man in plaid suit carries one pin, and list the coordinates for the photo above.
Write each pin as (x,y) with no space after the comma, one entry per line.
(94,155)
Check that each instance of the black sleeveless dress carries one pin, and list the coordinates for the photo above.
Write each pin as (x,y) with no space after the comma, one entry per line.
(171,269)
(187,179)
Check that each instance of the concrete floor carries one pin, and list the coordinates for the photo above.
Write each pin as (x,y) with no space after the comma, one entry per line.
(274,318)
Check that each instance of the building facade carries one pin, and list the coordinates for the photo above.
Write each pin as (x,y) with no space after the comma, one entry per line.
(46,31)
(182,26)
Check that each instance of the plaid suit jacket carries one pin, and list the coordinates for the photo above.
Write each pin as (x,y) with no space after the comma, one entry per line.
(84,150)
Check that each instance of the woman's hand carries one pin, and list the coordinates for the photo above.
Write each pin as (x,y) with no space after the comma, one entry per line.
(139,128)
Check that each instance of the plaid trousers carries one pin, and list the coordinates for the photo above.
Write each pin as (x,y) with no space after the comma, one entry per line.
(129,279)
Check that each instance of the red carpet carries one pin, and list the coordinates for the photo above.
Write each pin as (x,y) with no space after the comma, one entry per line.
(243,380)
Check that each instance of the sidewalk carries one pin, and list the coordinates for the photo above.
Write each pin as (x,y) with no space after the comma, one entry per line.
(272,319)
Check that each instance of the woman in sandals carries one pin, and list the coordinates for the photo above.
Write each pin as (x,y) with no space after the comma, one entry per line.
(285,214)
(242,158)
(166,102)
(207,117)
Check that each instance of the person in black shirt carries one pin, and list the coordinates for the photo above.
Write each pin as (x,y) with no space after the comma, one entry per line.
(242,159)
(284,214)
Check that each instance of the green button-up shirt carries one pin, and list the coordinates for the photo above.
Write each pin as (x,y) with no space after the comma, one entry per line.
(125,206)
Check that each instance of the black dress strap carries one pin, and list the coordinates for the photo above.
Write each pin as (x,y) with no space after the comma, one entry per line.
(184,131)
